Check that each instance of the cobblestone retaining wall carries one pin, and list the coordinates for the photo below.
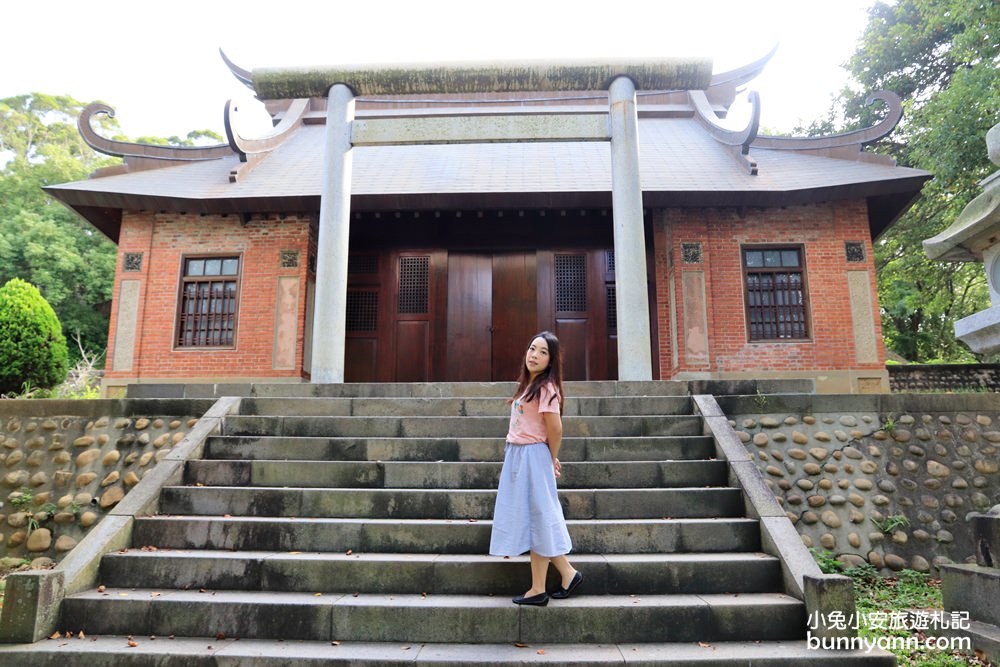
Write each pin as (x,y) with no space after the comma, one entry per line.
(944,377)
(886,479)
(61,473)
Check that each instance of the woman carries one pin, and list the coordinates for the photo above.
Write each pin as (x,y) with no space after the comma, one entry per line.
(528,516)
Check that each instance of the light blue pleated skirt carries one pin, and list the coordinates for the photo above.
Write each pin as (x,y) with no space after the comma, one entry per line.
(528,516)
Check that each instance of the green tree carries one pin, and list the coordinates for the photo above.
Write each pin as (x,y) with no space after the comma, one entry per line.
(941,57)
(40,240)
(32,346)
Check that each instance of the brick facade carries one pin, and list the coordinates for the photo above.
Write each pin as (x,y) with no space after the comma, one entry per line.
(821,230)
(165,239)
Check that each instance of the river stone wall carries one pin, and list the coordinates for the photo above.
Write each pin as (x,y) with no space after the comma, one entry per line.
(65,464)
(944,377)
(887,479)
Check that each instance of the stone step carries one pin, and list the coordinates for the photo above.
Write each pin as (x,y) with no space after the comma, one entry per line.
(442,536)
(438,618)
(429,389)
(444,503)
(459,407)
(452,449)
(456,427)
(202,651)
(449,475)
(459,574)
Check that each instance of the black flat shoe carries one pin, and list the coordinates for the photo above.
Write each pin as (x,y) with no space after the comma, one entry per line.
(539,600)
(563,593)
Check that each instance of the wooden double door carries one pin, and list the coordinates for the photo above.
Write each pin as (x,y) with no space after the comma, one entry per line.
(467,316)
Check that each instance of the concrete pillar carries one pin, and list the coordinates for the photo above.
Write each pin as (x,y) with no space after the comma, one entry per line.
(329,325)
(634,355)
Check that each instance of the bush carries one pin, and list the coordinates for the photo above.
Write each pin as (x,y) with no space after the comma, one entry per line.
(33,349)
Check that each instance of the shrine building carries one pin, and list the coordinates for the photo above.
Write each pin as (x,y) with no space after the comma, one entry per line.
(417,223)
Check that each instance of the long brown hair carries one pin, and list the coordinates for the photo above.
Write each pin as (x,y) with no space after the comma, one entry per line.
(530,389)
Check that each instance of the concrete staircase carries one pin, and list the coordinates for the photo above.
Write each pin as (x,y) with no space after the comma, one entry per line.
(353,528)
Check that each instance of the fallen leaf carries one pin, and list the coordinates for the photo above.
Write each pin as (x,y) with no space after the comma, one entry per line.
(540,651)
(81,635)
(520,645)
(335,643)
(220,636)
(154,594)
(294,553)
(349,552)
(132,644)
(152,638)
(56,635)
(170,637)
(101,588)
(123,595)
(404,648)
(705,645)
(227,516)
(201,590)
(473,520)
(68,635)
(318,595)
(357,594)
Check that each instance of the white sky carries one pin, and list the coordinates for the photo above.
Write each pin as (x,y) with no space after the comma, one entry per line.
(157,63)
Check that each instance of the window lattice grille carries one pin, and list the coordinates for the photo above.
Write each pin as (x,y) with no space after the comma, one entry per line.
(366,264)
(776,301)
(362,310)
(208,302)
(571,283)
(612,301)
(854,251)
(413,285)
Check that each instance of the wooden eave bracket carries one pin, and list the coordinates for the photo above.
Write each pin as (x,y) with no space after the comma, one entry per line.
(137,156)
(737,142)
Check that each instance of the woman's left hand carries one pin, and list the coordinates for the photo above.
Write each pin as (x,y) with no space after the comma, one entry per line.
(557,466)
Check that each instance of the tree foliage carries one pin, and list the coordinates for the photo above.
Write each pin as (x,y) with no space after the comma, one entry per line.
(41,241)
(941,57)
(33,349)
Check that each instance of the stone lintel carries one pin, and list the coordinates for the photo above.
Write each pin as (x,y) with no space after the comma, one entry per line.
(481,129)
(691,73)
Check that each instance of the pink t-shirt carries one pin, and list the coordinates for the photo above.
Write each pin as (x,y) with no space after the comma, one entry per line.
(526,424)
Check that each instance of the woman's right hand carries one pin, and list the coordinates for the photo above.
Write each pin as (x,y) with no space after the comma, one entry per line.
(557,466)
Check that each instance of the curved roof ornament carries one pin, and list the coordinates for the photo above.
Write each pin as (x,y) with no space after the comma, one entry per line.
(842,139)
(242,75)
(252,151)
(129,149)
(745,73)
(738,141)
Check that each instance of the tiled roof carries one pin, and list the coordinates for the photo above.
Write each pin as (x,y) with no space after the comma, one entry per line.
(680,165)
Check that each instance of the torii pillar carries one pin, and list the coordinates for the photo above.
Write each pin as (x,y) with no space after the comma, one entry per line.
(620,126)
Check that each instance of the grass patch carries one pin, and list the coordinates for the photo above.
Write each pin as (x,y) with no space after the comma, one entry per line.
(909,590)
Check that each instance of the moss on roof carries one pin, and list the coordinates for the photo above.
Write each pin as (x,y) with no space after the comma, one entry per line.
(409,79)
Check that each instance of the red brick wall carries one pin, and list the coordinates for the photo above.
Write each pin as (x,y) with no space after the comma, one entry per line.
(821,229)
(164,239)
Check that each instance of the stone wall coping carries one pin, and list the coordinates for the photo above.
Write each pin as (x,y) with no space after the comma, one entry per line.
(802,576)
(33,598)
(895,404)
(125,407)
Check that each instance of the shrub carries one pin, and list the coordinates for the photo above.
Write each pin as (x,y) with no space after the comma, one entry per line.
(32,346)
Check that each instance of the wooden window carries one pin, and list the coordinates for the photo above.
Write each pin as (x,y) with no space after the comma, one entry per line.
(208,302)
(776,303)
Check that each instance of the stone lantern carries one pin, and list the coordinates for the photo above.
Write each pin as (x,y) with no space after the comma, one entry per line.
(975,236)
